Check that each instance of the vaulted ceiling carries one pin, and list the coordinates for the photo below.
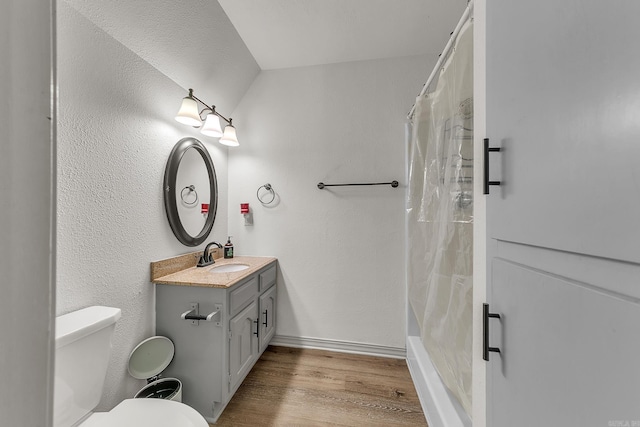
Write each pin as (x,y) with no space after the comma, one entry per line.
(218,47)
(294,33)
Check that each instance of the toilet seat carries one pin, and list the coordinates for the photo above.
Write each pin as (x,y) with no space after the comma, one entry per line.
(147,412)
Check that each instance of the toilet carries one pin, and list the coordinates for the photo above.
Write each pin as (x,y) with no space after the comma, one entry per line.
(83,344)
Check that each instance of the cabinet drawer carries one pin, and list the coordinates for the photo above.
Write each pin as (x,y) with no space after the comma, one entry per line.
(239,298)
(267,278)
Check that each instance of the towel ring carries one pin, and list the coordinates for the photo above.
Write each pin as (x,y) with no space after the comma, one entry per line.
(191,189)
(269,188)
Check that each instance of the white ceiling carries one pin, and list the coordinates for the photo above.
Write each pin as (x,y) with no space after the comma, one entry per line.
(198,46)
(294,33)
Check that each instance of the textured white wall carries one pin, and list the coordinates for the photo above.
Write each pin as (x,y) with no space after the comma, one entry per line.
(26,209)
(340,250)
(193,43)
(116,130)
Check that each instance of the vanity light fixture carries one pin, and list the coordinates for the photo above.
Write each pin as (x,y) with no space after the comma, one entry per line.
(211,126)
(189,115)
(229,138)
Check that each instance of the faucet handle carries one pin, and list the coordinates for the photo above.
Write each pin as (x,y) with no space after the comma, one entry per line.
(204,261)
(207,257)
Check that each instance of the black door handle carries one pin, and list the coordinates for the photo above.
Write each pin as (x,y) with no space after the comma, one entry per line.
(488,149)
(257,328)
(266,318)
(485,332)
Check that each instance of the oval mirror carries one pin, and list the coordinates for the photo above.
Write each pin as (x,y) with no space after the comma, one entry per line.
(190,192)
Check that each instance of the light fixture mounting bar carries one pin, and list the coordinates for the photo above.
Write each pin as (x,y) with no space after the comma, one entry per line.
(212,108)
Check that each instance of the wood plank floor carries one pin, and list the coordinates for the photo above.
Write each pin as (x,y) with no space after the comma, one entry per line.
(301,387)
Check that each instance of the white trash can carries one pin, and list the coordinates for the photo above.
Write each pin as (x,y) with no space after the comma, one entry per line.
(147,361)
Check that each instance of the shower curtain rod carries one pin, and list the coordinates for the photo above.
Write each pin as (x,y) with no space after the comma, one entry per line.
(445,52)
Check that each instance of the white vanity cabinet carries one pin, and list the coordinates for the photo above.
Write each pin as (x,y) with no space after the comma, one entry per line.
(213,357)
(251,328)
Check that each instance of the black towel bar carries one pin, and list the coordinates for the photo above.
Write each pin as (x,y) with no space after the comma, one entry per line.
(322,185)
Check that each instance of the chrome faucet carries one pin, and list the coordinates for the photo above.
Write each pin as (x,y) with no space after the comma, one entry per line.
(206,258)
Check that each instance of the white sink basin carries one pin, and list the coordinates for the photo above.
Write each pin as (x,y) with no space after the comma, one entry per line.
(228,268)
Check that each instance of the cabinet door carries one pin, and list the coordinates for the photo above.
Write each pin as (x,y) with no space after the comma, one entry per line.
(569,352)
(562,103)
(267,317)
(243,344)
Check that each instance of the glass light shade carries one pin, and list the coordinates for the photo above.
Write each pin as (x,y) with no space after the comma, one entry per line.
(211,126)
(188,113)
(229,138)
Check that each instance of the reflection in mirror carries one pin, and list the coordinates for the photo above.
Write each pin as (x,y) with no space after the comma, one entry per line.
(192,189)
(191,192)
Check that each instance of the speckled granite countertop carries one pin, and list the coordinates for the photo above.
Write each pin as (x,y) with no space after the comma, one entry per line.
(182,271)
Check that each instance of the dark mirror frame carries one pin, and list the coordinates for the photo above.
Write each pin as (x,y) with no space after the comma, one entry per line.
(170,201)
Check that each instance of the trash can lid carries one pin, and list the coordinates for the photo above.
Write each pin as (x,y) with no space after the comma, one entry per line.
(151,357)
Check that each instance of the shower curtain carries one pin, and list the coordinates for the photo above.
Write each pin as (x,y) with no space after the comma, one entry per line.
(440,217)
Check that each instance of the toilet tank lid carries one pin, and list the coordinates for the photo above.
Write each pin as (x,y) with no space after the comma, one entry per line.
(78,324)
(151,357)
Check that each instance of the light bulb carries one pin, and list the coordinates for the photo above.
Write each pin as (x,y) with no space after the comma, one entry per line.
(211,126)
(229,138)
(188,113)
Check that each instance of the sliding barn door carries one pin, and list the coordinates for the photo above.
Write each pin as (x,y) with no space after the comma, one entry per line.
(563,231)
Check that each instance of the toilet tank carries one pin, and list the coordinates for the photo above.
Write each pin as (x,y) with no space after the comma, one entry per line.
(83,344)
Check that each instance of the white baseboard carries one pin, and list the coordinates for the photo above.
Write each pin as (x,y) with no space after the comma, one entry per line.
(440,407)
(339,346)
